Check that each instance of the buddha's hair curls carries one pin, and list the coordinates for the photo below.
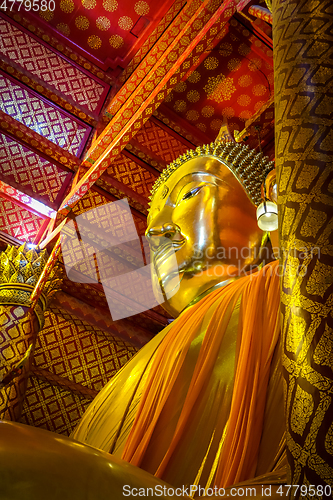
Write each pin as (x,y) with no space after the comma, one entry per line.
(248,166)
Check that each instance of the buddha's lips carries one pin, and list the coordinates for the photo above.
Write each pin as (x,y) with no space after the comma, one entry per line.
(166,250)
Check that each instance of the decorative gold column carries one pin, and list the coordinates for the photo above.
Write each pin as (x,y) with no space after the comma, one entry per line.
(20,269)
(303,63)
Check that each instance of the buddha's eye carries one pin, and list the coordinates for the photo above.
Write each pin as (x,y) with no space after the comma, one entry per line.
(192,192)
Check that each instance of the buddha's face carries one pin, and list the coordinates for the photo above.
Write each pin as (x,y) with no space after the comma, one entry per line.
(203,218)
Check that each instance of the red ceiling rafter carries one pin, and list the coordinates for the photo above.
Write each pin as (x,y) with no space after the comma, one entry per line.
(58,46)
(151,40)
(242,4)
(107,195)
(26,201)
(261,13)
(262,51)
(139,161)
(41,88)
(114,193)
(131,31)
(47,149)
(42,116)
(148,156)
(181,126)
(32,174)
(127,191)
(58,79)
(127,122)
(157,57)
(147,33)
(19,221)
(239,136)
(171,132)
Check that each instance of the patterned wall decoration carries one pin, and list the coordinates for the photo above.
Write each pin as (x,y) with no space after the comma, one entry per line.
(108,186)
(119,260)
(44,90)
(44,118)
(94,296)
(231,84)
(57,42)
(34,141)
(18,331)
(95,199)
(53,408)
(24,169)
(18,222)
(75,351)
(40,61)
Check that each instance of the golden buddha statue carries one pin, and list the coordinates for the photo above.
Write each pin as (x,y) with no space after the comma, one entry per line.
(201,405)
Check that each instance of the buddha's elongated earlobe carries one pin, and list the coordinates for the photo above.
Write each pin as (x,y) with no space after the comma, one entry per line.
(267,216)
(267,211)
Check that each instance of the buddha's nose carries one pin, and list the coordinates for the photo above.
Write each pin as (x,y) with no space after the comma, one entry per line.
(156,234)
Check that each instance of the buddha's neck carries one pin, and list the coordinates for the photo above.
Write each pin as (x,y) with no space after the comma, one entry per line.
(209,290)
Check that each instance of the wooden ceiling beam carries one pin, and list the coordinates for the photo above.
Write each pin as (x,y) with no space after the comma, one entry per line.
(122,299)
(153,38)
(42,88)
(64,383)
(35,142)
(157,59)
(239,136)
(102,320)
(27,202)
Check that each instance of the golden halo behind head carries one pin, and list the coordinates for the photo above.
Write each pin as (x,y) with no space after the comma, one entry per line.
(248,166)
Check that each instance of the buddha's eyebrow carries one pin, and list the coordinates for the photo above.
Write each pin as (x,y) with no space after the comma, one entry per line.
(151,213)
(195,177)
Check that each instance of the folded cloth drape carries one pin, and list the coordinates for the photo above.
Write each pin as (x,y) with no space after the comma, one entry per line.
(203,404)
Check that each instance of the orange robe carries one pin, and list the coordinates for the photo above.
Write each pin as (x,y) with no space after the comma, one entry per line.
(202,402)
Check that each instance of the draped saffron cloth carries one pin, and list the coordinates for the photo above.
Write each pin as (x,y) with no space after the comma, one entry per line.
(203,403)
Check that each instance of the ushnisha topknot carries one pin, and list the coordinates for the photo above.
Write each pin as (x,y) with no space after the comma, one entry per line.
(247,165)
